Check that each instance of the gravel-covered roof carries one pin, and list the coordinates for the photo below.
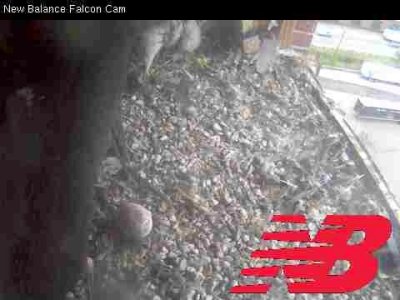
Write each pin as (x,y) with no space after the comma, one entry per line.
(215,149)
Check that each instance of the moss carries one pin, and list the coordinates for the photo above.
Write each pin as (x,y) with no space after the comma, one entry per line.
(200,62)
(154,73)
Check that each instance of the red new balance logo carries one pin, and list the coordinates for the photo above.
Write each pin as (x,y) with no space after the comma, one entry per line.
(314,276)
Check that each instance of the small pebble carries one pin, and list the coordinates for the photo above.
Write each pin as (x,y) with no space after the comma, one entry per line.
(217,127)
(183,265)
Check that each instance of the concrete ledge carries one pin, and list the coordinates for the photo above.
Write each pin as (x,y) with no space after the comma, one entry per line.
(365,159)
(370,165)
(363,156)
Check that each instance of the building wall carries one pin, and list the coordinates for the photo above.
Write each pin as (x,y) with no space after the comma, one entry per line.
(303,33)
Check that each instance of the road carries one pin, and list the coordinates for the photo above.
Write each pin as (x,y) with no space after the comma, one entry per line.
(380,138)
(352,82)
(353,39)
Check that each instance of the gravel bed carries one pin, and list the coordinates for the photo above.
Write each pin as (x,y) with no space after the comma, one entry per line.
(215,149)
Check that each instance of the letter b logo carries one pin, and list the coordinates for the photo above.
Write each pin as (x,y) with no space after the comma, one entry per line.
(313,275)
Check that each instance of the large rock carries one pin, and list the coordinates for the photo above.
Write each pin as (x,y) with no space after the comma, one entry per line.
(191,36)
(134,221)
(167,34)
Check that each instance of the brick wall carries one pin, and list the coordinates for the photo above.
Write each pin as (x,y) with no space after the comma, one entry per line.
(303,33)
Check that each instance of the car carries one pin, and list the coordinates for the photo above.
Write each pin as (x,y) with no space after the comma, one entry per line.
(324,31)
(392,34)
(379,72)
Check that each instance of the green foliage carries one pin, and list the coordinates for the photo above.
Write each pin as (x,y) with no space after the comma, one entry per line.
(247,25)
(350,59)
(398,57)
(154,73)
(200,62)
(124,260)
